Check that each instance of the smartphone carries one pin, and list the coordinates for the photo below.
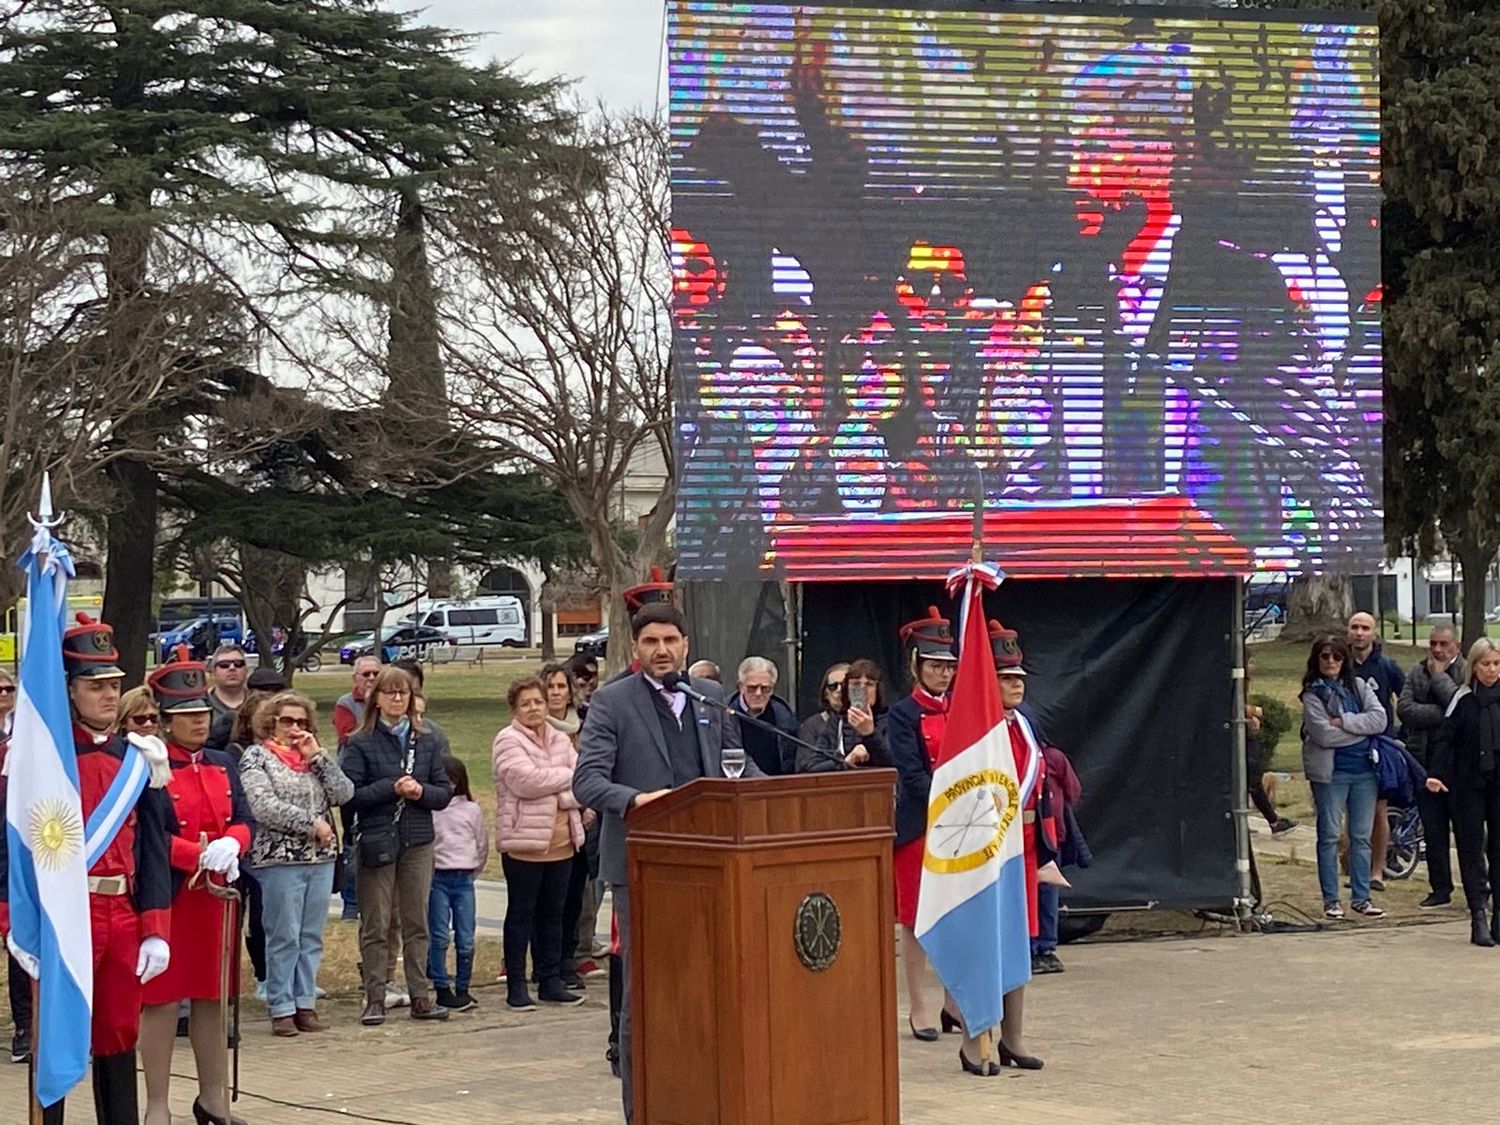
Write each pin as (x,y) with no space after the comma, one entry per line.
(859,696)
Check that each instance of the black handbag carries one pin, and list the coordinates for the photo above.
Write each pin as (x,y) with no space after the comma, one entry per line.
(378,845)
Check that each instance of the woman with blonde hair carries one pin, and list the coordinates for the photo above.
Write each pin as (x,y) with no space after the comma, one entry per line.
(1466,763)
(293,785)
(138,713)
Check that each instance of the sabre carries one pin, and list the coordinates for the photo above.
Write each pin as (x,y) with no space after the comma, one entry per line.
(230,896)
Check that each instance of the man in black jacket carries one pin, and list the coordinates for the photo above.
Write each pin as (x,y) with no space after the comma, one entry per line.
(757,698)
(1424,700)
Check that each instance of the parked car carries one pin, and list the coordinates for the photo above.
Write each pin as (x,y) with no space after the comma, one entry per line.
(201,634)
(490,620)
(592,644)
(397,642)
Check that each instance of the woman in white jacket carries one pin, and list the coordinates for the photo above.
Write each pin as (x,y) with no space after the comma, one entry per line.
(538,828)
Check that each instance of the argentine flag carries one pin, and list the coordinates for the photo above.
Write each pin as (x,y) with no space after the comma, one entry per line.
(49,890)
(971,910)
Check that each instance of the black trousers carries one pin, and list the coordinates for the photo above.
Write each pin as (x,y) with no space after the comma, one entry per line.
(535,894)
(255,932)
(1436,812)
(578,878)
(1476,824)
(19,986)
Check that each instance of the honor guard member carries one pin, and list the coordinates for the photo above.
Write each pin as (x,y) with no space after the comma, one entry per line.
(212,830)
(130,883)
(914,731)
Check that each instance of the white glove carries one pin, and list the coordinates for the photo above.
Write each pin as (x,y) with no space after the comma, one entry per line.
(232,873)
(153,958)
(220,855)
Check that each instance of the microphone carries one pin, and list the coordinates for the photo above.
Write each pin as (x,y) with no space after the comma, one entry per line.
(676,681)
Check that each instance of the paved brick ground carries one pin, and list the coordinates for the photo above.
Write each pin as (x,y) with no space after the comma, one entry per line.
(1216,1029)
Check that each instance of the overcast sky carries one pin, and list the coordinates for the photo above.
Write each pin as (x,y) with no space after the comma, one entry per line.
(612,47)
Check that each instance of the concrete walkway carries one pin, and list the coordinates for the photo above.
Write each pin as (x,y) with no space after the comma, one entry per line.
(1369,1025)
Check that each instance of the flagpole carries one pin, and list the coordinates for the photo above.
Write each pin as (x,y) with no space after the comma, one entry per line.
(35,1115)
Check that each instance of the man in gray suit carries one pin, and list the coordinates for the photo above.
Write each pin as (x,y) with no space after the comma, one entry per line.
(641,740)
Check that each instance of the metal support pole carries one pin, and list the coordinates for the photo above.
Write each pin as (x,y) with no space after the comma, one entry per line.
(791,606)
(1239,803)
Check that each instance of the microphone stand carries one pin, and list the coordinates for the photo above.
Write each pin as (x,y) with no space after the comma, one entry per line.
(697,696)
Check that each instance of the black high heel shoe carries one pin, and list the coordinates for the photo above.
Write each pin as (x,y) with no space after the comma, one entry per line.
(203,1117)
(925,1034)
(951,1023)
(1020,1062)
(978,1069)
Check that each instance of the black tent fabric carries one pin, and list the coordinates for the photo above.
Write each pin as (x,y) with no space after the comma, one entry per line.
(1130,678)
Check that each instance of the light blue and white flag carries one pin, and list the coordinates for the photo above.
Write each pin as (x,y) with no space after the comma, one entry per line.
(49,890)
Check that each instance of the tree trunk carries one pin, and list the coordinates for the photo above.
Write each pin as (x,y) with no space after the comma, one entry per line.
(1474,562)
(547,604)
(128,569)
(1318,604)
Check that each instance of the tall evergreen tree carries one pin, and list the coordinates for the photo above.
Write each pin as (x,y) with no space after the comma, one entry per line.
(213,126)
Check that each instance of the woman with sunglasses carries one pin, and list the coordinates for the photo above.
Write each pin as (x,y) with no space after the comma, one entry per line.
(138,713)
(831,704)
(1340,713)
(293,786)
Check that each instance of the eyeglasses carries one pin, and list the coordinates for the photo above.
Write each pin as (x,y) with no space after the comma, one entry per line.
(583,677)
(229,663)
(756,689)
(833,685)
(293,721)
(143,720)
(395,692)
(1335,657)
(367,675)
(7,689)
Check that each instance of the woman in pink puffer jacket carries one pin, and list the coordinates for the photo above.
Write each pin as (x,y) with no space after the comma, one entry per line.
(538,827)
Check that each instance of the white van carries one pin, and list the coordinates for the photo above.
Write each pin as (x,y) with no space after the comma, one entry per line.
(493,620)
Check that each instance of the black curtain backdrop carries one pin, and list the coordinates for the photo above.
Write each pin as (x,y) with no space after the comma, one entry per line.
(1130,678)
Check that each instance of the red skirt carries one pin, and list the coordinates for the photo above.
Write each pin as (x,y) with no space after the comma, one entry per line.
(193,973)
(906,862)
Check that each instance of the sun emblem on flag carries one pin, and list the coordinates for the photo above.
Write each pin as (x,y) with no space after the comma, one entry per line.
(968,821)
(56,832)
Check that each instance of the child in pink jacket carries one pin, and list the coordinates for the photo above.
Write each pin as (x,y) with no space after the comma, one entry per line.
(458,855)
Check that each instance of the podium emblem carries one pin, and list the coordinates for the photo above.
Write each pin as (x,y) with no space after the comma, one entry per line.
(817,932)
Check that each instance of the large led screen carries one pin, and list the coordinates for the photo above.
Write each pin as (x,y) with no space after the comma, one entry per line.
(1111,276)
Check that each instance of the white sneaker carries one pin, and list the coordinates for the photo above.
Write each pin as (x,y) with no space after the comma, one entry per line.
(1333,911)
(395,996)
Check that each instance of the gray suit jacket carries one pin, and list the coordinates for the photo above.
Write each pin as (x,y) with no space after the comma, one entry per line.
(622,752)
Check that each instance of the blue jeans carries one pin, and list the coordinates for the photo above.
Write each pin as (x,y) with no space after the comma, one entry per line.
(1048,904)
(294,906)
(1356,793)
(451,898)
(347,892)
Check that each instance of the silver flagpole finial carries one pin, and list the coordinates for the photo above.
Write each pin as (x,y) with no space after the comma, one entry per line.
(45,517)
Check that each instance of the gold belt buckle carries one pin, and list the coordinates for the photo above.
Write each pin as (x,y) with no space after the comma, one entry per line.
(107,884)
(1028,816)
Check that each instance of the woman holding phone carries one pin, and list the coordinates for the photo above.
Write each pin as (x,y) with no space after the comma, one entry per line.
(855,735)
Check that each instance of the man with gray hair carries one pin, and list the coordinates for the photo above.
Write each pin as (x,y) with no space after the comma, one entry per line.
(1424,701)
(757,698)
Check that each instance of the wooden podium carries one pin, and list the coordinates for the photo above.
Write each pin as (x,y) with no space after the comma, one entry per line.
(762,933)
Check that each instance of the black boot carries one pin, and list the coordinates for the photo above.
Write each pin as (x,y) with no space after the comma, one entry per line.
(114,1089)
(53,1114)
(1479,930)
(1495,922)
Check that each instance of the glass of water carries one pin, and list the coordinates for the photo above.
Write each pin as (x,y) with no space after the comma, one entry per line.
(732,760)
